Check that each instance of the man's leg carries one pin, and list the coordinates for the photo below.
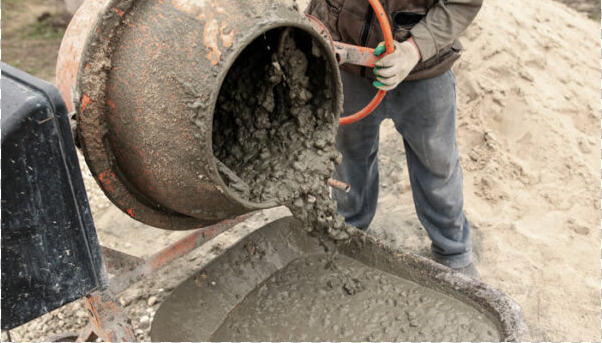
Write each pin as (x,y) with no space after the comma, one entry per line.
(358,143)
(424,113)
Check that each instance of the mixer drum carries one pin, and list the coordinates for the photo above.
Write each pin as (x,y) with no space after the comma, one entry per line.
(144,78)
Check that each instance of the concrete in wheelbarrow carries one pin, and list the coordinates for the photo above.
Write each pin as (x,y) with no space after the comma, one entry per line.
(241,279)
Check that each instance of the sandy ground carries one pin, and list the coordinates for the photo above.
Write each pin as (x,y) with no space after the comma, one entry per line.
(32,31)
(529,138)
(528,134)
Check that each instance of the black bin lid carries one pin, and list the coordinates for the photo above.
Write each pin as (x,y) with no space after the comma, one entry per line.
(50,251)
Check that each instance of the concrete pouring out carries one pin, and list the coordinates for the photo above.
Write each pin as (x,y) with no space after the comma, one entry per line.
(333,297)
(274,130)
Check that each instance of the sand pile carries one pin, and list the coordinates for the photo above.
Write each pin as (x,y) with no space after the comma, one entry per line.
(529,130)
(529,137)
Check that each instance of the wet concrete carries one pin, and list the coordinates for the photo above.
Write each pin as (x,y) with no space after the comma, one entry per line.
(335,298)
(274,128)
(280,283)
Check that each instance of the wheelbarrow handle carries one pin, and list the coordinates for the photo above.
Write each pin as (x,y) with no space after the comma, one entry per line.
(359,55)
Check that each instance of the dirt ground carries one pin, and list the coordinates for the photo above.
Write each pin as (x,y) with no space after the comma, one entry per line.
(535,212)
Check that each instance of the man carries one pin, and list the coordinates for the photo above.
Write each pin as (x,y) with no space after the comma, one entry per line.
(421,101)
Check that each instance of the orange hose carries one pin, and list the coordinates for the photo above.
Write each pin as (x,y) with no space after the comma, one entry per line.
(364,111)
(386,28)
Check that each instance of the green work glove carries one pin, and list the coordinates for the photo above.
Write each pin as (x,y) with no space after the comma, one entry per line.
(393,68)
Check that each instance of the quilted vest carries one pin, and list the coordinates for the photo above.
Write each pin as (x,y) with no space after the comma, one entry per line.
(354,22)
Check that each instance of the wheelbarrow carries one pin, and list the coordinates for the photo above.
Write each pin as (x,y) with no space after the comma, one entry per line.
(207,306)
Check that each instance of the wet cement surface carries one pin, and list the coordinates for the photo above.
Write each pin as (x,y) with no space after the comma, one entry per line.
(335,298)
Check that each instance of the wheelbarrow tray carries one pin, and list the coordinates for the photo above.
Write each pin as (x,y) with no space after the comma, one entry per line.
(199,306)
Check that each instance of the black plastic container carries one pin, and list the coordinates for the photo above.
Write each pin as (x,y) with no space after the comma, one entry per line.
(50,251)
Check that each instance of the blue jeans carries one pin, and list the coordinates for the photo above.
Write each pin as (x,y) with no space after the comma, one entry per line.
(424,113)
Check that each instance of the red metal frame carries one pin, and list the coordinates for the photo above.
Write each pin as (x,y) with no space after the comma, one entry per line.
(126,276)
(107,318)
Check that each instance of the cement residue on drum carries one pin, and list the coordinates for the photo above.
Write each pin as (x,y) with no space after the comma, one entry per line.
(335,298)
(274,127)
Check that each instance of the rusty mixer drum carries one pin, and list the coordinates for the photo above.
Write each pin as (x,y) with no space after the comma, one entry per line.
(144,77)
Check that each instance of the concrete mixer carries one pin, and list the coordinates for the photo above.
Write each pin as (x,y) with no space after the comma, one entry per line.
(149,87)
(143,80)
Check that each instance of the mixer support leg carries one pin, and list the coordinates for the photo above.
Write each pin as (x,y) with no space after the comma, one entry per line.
(108,319)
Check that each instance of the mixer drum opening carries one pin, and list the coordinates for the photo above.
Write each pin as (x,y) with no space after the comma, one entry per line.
(277,100)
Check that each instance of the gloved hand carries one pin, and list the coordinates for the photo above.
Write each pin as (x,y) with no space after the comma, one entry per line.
(393,68)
